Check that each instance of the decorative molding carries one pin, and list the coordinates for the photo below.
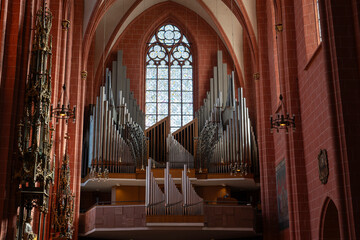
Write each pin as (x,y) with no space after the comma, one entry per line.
(256,76)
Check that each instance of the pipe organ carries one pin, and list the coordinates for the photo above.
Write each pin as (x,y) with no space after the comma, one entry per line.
(156,136)
(154,197)
(219,140)
(236,149)
(173,197)
(172,201)
(177,155)
(135,139)
(193,204)
(227,142)
(115,140)
(187,136)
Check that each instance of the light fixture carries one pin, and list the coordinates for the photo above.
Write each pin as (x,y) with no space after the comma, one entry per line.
(63,111)
(64,202)
(282,121)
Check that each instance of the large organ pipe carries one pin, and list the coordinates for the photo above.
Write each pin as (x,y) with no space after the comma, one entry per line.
(192,203)
(236,150)
(115,107)
(154,197)
(173,198)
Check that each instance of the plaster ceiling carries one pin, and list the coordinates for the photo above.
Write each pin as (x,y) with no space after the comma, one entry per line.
(223,21)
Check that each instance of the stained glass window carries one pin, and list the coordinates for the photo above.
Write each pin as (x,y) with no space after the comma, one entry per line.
(169,78)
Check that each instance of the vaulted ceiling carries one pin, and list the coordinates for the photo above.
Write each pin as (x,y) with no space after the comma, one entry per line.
(106,20)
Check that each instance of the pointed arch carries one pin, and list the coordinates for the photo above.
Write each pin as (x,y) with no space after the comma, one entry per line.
(168,77)
(329,221)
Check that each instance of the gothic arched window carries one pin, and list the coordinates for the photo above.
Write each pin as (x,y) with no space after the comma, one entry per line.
(169,78)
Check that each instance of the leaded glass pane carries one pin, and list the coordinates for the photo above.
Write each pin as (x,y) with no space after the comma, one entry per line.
(187,97)
(163,108)
(160,117)
(150,120)
(169,48)
(151,73)
(150,108)
(175,72)
(175,96)
(175,120)
(169,27)
(187,73)
(150,96)
(150,84)
(163,72)
(177,35)
(175,108)
(163,97)
(187,85)
(153,39)
(174,129)
(163,85)
(186,119)
(187,109)
(175,85)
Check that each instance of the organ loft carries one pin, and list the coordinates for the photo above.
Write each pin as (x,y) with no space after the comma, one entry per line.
(179,119)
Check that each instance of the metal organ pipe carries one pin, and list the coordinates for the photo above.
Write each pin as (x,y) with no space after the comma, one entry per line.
(154,197)
(115,107)
(231,147)
(237,147)
(193,204)
(177,154)
(173,198)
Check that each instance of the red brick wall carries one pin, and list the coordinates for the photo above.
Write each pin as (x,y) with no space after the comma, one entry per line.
(319,86)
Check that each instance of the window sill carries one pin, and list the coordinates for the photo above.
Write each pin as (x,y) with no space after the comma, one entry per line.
(316,52)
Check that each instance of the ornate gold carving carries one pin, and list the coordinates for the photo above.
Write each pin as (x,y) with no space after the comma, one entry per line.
(35,138)
(65,24)
(64,201)
(256,76)
(83,75)
(279,27)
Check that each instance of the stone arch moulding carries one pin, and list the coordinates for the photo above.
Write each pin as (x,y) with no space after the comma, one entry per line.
(97,14)
(240,13)
(329,219)
(227,43)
